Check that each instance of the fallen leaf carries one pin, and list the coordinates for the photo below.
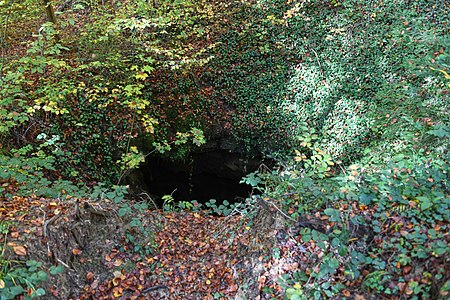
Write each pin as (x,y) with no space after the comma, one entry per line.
(117,292)
(406,269)
(404,232)
(118,262)
(89,276)
(261,281)
(20,250)
(94,284)
(116,281)
(76,251)
(232,288)
(117,274)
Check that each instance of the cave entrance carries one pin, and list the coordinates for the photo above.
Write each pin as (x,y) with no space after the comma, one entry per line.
(207,175)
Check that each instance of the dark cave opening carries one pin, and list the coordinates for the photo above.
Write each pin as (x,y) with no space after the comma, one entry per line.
(207,175)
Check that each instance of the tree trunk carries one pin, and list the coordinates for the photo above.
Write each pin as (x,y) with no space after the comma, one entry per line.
(50,12)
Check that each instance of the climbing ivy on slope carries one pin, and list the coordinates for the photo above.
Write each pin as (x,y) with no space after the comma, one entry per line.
(347,68)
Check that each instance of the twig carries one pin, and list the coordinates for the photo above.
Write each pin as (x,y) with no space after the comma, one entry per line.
(318,61)
(154,288)
(150,198)
(50,222)
(286,216)
(63,263)
(91,209)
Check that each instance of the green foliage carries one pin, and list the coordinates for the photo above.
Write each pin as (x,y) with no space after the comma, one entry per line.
(18,278)
(139,74)
(348,69)
(29,169)
(386,219)
(224,209)
(100,93)
(136,234)
(116,193)
(171,205)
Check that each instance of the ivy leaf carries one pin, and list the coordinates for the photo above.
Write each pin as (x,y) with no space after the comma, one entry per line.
(425,203)
(39,292)
(148,69)
(440,131)
(54,270)
(16,290)
(334,214)
(366,198)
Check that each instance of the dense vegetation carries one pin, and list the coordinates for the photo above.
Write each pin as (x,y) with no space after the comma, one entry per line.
(350,98)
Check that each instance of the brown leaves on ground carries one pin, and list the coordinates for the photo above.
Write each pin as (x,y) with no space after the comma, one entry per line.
(180,256)
(192,259)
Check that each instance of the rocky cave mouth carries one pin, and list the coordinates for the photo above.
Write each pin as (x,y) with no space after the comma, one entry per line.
(207,175)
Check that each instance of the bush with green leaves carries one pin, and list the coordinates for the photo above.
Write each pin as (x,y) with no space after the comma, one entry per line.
(30,170)
(386,224)
(99,85)
(24,280)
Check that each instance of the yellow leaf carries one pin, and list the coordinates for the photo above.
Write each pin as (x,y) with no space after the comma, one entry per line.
(141,76)
(446,75)
(2,284)
(118,291)
(118,263)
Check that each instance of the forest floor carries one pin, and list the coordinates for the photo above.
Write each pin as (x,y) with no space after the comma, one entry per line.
(171,255)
